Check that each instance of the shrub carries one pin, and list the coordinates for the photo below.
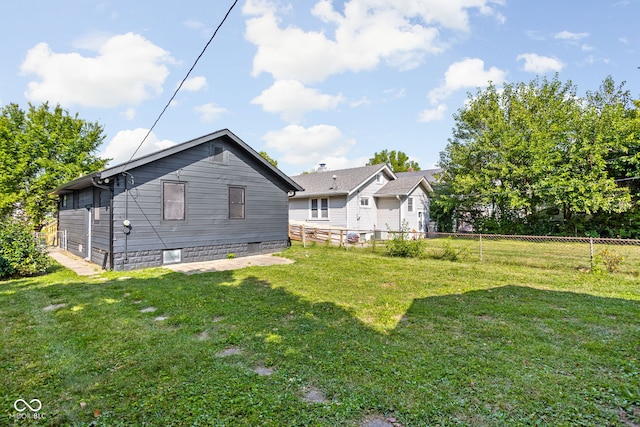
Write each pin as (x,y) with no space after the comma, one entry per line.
(20,252)
(447,252)
(610,259)
(403,246)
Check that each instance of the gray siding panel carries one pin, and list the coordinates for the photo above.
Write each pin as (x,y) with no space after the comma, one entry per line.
(206,223)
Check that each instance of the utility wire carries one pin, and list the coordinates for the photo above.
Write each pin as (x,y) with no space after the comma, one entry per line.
(180,85)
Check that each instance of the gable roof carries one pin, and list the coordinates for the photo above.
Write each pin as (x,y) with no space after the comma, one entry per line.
(274,173)
(403,186)
(347,180)
(429,174)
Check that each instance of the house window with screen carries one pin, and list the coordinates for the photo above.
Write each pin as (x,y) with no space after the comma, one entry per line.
(236,202)
(173,201)
(320,208)
(410,204)
(364,202)
(219,154)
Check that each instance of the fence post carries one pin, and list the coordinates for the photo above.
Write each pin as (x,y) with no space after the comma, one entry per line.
(481,248)
(591,251)
(304,236)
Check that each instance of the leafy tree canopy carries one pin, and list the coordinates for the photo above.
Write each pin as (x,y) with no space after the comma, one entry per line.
(269,159)
(397,160)
(41,149)
(524,153)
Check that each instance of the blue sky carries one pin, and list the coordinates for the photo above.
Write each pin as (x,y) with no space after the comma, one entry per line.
(308,82)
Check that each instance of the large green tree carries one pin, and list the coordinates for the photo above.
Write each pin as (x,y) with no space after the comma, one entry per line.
(40,149)
(528,152)
(398,161)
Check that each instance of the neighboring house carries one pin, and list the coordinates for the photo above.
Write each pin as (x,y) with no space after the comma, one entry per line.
(364,200)
(204,199)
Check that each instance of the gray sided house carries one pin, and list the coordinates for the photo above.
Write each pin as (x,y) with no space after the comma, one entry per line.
(200,200)
(366,200)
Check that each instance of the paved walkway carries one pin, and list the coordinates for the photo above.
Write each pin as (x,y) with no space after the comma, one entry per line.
(72,262)
(229,264)
(85,268)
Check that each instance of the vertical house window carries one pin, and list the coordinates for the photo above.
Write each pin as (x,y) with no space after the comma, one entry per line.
(63,201)
(410,204)
(320,208)
(364,202)
(173,201)
(379,178)
(236,203)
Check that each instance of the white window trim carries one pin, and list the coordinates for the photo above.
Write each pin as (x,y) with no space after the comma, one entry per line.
(319,209)
(368,204)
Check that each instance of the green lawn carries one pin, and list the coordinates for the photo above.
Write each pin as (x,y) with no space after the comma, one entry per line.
(346,336)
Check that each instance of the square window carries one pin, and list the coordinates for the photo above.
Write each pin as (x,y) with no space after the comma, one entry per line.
(219,154)
(173,201)
(364,202)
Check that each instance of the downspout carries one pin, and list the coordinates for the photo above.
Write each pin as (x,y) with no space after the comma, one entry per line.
(111,197)
(110,189)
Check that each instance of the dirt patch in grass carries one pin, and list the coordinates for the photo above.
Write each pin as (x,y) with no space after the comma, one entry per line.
(203,335)
(311,394)
(378,420)
(229,351)
(148,310)
(54,307)
(264,371)
(161,318)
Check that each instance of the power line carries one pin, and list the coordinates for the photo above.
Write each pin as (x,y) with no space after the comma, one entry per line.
(180,85)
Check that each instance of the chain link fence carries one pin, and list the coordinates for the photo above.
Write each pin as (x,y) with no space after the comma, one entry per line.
(551,252)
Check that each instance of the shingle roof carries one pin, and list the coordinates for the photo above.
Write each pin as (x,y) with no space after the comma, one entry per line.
(347,180)
(427,173)
(403,186)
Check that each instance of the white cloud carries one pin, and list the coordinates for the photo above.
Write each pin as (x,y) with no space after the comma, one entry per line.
(291,99)
(193,24)
(129,113)
(195,84)
(468,73)
(367,33)
(302,146)
(209,112)
(434,114)
(122,146)
(364,101)
(538,64)
(127,70)
(569,36)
